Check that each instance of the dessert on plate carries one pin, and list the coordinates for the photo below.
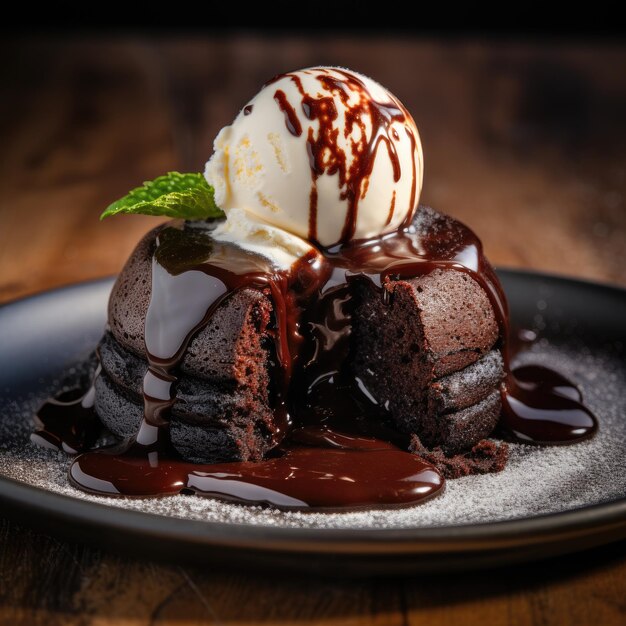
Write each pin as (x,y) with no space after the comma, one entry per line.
(304,333)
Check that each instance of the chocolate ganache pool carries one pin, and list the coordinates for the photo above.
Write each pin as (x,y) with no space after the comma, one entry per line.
(334,442)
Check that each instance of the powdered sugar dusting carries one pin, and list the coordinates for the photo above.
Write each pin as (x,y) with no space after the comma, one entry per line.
(537,480)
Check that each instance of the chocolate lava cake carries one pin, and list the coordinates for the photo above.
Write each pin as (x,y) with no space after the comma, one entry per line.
(301,335)
(427,352)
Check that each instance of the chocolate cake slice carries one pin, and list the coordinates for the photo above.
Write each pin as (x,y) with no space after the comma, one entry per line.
(414,352)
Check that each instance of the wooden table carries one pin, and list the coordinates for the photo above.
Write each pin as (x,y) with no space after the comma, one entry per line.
(523,142)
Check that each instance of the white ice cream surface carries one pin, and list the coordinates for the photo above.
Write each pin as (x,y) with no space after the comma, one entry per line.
(280,247)
(262,167)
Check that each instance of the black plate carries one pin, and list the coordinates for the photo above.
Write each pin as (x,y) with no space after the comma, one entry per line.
(42,334)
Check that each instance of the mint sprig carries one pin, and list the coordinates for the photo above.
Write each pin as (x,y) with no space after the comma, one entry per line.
(175,195)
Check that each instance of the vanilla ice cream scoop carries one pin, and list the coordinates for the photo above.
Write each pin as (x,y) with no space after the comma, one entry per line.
(323,153)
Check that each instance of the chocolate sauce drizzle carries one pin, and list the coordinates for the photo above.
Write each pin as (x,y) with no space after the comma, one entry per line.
(326,155)
(291,118)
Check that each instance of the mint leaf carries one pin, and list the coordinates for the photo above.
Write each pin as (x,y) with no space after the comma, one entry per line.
(187,196)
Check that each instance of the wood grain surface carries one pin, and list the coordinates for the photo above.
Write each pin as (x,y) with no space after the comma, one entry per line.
(525,143)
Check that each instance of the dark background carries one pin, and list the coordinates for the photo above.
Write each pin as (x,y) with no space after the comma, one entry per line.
(530,19)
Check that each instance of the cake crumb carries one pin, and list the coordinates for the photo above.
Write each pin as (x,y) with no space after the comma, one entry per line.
(486,457)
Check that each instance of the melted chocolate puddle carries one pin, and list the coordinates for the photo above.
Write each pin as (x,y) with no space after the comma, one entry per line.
(302,477)
(541,406)
(68,421)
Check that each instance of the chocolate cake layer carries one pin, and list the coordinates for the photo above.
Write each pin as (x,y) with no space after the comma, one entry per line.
(215,442)
(456,318)
(430,327)
(212,442)
(202,402)
(197,401)
(231,347)
(460,430)
(468,386)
